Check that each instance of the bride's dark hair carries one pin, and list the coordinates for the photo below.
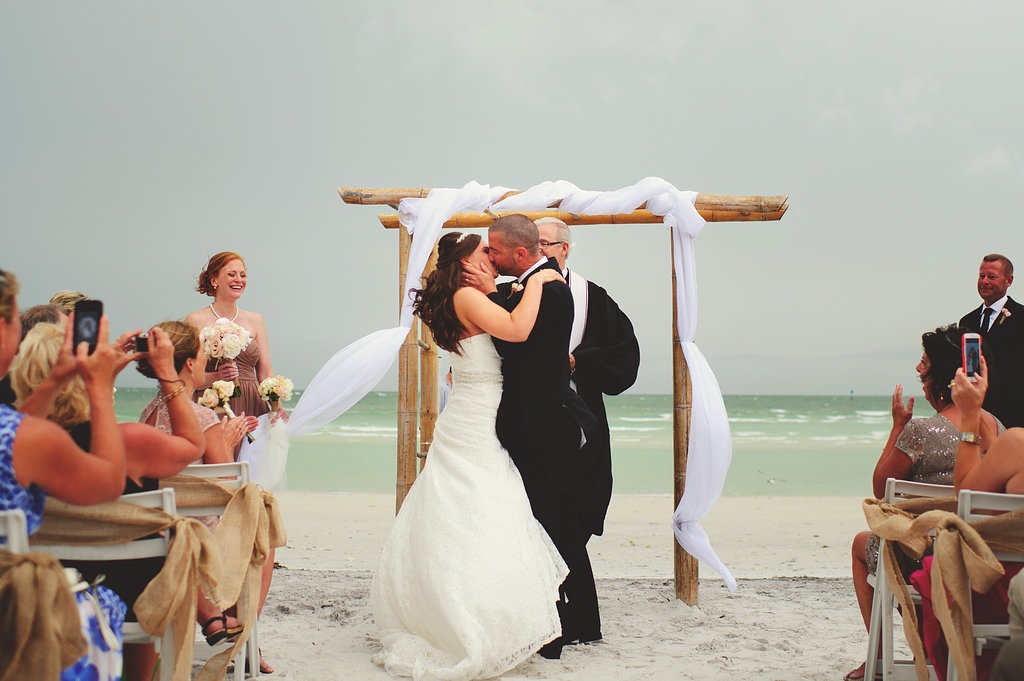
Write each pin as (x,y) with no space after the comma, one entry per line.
(435,302)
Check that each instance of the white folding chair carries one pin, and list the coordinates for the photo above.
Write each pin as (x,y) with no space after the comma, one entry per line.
(973,506)
(13,531)
(881,625)
(231,476)
(150,547)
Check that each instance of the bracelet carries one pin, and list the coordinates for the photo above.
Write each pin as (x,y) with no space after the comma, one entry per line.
(174,393)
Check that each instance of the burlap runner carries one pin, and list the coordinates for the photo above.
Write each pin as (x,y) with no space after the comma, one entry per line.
(249,528)
(961,552)
(40,629)
(193,561)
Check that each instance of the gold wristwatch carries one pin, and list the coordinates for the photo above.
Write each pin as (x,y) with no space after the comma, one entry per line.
(970,438)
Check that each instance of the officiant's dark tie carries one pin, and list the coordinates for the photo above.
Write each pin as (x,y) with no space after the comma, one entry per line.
(986,316)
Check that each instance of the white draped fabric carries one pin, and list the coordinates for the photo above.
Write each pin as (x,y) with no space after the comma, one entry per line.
(356,369)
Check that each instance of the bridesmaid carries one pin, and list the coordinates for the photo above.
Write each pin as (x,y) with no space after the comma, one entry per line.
(224,279)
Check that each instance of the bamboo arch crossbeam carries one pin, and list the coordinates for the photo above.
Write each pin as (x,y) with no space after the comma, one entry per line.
(420,348)
(712,207)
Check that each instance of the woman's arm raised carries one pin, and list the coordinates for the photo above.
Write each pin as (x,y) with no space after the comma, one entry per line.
(45,454)
(477,311)
(894,462)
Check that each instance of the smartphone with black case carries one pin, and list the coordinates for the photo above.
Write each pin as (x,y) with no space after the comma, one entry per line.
(970,346)
(87,323)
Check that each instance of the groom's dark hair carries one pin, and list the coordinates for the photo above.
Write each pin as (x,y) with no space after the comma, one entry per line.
(518,230)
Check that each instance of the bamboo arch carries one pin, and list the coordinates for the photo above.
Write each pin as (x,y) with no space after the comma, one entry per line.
(417,360)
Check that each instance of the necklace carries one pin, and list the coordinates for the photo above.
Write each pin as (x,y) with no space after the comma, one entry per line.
(219,317)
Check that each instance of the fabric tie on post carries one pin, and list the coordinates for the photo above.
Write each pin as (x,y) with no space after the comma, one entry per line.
(40,629)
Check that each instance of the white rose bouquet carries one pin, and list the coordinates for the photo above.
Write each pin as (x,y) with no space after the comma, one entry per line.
(275,389)
(219,395)
(225,340)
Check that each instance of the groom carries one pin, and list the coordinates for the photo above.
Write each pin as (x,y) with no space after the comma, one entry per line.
(540,419)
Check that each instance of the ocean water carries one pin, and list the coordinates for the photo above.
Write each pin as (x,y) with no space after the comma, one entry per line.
(782,445)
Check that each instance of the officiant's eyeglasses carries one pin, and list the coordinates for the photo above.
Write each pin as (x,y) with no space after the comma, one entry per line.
(545,244)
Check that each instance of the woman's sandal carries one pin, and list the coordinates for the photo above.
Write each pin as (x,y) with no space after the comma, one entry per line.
(224,633)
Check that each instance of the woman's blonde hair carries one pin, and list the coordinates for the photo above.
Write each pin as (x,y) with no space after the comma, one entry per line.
(36,358)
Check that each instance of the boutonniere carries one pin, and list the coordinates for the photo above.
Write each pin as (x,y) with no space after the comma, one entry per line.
(516,288)
(1004,314)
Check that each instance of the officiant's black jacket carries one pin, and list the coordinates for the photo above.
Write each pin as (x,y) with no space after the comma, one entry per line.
(1003,345)
(607,362)
(540,416)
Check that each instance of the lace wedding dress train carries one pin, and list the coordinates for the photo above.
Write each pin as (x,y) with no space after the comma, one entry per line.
(468,578)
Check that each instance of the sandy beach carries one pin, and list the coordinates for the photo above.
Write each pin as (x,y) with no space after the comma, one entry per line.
(793,616)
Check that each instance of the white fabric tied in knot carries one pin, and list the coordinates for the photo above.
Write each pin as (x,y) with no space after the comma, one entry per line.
(355,370)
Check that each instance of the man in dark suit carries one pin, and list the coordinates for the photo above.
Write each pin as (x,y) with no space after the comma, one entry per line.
(1000,321)
(604,358)
(540,419)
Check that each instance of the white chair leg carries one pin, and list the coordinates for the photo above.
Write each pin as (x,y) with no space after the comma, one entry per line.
(874,631)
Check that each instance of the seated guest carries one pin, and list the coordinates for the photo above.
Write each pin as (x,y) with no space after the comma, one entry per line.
(37,314)
(918,449)
(220,438)
(150,453)
(1009,665)
(67,299)
(42,314)
(38,457)
(999,469)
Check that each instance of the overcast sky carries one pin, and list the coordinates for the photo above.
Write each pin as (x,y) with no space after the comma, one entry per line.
(139,138)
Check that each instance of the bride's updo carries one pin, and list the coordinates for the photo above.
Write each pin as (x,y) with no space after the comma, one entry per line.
(435,303)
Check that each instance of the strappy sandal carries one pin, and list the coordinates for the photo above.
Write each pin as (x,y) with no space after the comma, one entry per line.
(224,633)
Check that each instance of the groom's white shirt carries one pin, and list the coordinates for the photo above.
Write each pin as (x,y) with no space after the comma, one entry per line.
(522,277)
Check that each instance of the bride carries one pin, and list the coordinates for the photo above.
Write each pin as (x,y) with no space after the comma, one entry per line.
(468,579)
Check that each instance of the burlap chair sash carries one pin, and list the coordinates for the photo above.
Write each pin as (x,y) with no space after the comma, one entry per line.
(250,526)
(40,629)
(963,554)
(193,561)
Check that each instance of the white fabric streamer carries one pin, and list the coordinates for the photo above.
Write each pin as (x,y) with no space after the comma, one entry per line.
(356,369)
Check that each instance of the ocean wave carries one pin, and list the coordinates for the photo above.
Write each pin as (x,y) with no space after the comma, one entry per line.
(340,430)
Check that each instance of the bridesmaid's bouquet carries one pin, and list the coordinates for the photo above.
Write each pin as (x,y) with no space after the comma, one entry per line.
(275,389)
(219,395)
(225,340)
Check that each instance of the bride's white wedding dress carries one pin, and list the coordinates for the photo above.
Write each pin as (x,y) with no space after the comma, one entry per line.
(468,579)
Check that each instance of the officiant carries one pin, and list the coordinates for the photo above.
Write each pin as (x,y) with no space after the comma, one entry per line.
(604,357)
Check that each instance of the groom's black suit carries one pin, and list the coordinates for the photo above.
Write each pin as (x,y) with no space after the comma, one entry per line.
(538,422)
(1004,350)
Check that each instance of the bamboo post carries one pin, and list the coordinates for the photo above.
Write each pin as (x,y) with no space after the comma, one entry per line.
(428,377)
(408,372)
(686,566)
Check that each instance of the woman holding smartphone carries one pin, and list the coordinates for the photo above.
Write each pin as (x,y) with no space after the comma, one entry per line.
(922,449)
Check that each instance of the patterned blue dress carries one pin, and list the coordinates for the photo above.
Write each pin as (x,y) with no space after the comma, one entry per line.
(103,661)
